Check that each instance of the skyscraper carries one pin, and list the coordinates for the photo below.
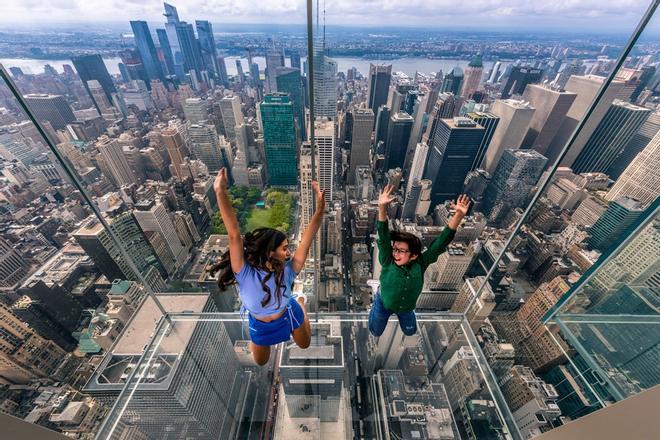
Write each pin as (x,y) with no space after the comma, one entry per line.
(418,164)
(363,122)
(207,46)
(382,122)
(325,144)
(455,144)
(176,147)
(274,60)
(488,121)
(98,96)
(13,268)
(147,49)
(205,145)
(289,81)
(620,214)
(51,108)
(641,179)
(153,217)
(116,162)
(91,67)
(280,140)
(453,81)
(473,74)
(517,172)
(614,131)
(586,88)
(515,117)
(232,116)
(164,42)
(172,17)
(550,107)
(96,242)
(396,143)
(195,110)
(519,78)
(379,84)
(635,145)
(190,49)
(325,85)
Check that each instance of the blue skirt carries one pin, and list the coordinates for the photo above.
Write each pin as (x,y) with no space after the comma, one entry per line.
(279,330)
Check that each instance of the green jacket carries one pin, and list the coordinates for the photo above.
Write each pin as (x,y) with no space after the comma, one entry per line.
(400,286)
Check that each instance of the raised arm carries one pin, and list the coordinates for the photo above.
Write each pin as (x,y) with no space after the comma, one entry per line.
(384,242)
(308,236)
(441,242)
(231,222)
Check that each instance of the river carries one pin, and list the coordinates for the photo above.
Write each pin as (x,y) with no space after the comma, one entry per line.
(406,65)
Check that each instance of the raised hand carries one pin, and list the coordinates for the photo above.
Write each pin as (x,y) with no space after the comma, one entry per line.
(386,196)
(320,195)
(221,181)
(462,205)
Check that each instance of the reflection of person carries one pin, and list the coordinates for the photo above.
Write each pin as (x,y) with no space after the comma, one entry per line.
(403,266)
(262,266)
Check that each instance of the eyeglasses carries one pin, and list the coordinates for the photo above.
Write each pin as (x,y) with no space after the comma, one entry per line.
(400,251)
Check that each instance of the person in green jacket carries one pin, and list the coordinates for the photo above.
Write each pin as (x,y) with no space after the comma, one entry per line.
(403,266)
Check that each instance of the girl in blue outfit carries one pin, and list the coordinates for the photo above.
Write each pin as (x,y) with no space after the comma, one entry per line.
(262,266)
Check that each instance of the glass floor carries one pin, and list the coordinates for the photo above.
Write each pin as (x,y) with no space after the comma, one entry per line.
(194,378)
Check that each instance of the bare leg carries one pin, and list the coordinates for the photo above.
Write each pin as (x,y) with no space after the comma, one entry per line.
(303,334)
(260,353)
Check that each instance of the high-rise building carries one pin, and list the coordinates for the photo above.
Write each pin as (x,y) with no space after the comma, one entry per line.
(115,161)
(396,143)
(325,85)
(453,81)
(363,123)
(152,216)
(532,401)
(488,121)
(207,46)
(306,191)
(608,140)
(516,174)
(641,179)
(418,164)
(190,50)
(551,107)
(25,356)
(448,271)
(147,49)
(473,74)
(13,268)
(177,148)
(230,109)
(519,78)
(382,122)
(279,140)
(98,96)
(51,108)
(379,85)
(40,317)
(164,42)
(515,117)
(195,111)
(476,309)
(411,200)
(586,88)
(461,376)
(635,145)
(274,60)
(205,145)
(454,146)
(96,241)
(91,67)
(172,17)
(325,143)
(620,214)
(289,81)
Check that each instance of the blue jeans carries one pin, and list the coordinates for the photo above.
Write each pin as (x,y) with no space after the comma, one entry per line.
(379,315)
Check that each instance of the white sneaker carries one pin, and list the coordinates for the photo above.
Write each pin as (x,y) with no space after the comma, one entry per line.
(374,284)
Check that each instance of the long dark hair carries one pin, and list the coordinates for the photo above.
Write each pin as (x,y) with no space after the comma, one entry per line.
(257,246)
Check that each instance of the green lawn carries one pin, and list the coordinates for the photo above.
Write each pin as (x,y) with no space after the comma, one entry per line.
(259,217)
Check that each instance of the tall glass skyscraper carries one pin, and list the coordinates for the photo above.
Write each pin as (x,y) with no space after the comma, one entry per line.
(190,48)
(289,81)
(207,45)
(92,67)
(147,49)
(280,140)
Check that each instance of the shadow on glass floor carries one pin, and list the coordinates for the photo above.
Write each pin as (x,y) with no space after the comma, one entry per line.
(195,378)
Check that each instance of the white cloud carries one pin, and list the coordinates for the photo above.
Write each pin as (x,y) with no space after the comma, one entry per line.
(587,13)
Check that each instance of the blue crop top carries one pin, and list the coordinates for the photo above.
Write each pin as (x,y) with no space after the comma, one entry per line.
(252,293)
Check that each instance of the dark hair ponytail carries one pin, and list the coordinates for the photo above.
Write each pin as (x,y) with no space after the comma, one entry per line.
(257,246)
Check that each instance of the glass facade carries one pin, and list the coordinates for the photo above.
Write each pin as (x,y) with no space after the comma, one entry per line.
(543,308)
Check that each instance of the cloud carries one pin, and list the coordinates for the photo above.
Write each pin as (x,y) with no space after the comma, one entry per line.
(355,12)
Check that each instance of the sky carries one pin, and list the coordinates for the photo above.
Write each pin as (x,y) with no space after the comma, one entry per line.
(582,15)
